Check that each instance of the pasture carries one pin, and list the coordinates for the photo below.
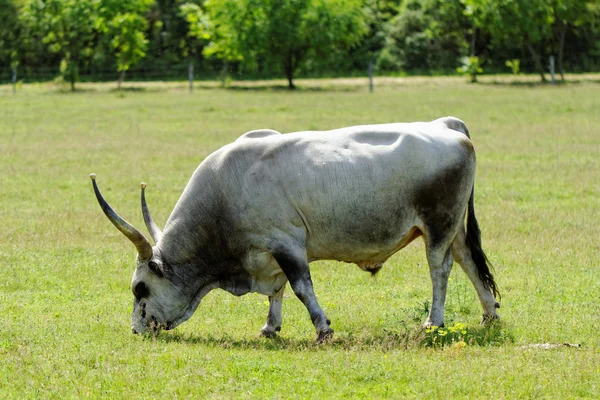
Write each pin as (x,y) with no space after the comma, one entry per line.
(65,298)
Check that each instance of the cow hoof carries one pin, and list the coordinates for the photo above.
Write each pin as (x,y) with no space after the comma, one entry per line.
(325,336)
(430,325)
(488,319)
(269,333)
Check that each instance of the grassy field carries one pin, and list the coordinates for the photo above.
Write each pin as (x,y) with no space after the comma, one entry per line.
(65,300)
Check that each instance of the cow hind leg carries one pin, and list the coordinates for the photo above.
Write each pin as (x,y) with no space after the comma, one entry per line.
(462,255)
(295,266)
(274,318)
(439,258)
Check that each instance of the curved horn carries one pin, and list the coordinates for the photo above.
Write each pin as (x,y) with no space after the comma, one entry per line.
(150,224)
(142,244)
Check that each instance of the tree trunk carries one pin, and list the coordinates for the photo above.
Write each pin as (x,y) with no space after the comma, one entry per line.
(121,79)
(289,73)
(72,78)
(224,73)
(537,62)
(74,73)
(473,41)
(290,79)
(561,50)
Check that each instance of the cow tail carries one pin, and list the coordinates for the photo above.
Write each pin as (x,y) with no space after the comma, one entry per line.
(474,244)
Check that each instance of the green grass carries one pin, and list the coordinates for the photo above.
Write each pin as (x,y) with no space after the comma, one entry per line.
(65,300)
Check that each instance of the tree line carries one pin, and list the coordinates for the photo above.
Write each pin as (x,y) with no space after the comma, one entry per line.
(288,38)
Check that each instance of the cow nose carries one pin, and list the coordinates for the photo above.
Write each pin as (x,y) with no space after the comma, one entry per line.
(134,331)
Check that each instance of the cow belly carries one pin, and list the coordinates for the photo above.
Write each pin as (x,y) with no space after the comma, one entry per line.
(376,263)
(369,252)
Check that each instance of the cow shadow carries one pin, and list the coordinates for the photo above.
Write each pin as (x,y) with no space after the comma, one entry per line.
(298,89)
(401,339)
(134,89)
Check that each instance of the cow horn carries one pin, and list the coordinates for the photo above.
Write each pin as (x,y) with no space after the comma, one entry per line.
(142,244)
(150,224)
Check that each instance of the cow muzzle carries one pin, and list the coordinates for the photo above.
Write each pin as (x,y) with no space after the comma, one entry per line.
(154,327)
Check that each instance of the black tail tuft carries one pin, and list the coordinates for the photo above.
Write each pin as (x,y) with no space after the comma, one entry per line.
(375,270)
(474,244)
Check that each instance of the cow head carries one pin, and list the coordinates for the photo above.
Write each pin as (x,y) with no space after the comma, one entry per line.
(161,299)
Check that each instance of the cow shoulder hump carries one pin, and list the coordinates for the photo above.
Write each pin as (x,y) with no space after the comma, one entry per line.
(454,124)
(259,133)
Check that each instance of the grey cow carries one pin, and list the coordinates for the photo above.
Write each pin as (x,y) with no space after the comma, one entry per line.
(256,212)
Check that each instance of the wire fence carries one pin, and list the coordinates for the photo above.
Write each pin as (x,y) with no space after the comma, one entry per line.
(168,72)
(204,72)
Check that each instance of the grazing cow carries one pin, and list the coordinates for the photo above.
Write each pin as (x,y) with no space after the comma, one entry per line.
(256,212)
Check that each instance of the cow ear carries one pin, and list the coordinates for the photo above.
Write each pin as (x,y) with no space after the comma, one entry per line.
(154,267)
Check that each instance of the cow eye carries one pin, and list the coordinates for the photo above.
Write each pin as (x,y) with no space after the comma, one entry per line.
(140,291)
(154,268)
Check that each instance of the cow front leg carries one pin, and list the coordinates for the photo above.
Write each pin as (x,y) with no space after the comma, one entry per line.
(295,267)
(440,265)
(274,318)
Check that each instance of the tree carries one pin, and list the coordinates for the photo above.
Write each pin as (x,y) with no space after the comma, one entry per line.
(124,24)
(285,34)
(128,42)
(426,35)
(198,29)
(377,15)
(66,27)
(168,33)
(527,22)
(10,30)
(471,67)
(567,13)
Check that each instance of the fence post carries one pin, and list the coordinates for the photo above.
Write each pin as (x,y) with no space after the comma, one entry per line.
(371,76)
(552,68)
(191,76)
(14,79)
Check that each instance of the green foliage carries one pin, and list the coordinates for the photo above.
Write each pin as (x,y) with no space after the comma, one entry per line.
(508,20)
(458,336)
(227,31)
(377,14)
(525,22)
(66,28)
(123,26)
(470,67)
(169,36)
(514,65)
(129,42)
(10,28)
(68,73)
(574,12)
(198,29)
(269,38)
(285,34)
(80,30)
(425,35)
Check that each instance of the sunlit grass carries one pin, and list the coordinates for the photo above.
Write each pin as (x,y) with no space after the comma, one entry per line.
(65,301)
